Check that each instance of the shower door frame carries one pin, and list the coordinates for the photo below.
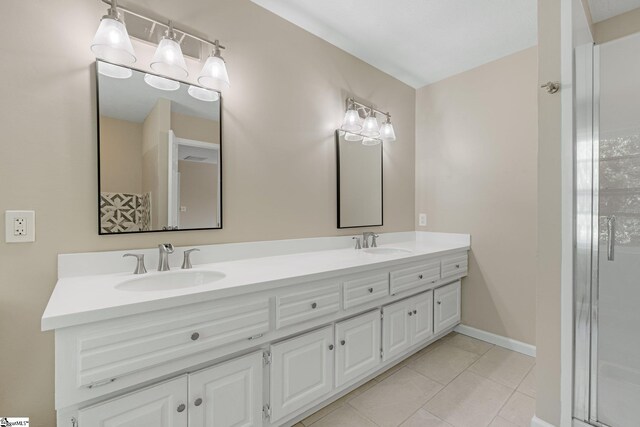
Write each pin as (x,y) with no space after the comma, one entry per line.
(586,248)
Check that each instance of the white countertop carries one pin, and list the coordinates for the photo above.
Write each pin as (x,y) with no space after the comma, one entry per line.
(89,298)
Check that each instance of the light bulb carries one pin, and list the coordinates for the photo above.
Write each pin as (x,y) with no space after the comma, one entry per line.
(370,127)
(168,59)
(202,94)
(161,83)
(387,133)
(112,42)
(214,73)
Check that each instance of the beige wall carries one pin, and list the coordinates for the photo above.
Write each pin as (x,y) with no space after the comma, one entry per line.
(199,194)
(476,143)
(549,239)
(616,27)
(121,151)
(287,97)
(197,128)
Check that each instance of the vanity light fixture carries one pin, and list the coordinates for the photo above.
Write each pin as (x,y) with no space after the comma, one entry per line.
(203,94)
(161,83)
(214,73)
(168,59)
(112,42)
(369,132)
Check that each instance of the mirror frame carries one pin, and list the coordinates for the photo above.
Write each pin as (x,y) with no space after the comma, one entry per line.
(220,166)
(340,226)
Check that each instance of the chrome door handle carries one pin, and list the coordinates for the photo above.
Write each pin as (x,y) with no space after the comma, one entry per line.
(611,237)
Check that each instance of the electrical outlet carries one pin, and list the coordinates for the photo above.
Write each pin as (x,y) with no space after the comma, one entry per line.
(20,226)
(422,219)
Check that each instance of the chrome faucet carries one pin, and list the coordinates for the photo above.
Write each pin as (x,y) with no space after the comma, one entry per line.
(365,239)
(163,261)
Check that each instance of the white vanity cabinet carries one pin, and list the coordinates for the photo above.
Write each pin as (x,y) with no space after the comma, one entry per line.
(406,323)
(227,395)
(301,371)
(447,306)
(164,404)
(357,347)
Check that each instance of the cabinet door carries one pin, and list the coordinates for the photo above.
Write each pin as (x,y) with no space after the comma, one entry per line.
(301,371)
(227,395)
(422,323)
(396,336)
(447,306)
(163,405)
(357,347)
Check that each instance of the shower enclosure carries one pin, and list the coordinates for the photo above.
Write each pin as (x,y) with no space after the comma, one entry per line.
(607,236)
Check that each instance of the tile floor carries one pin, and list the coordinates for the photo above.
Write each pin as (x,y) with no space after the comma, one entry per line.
(457,381)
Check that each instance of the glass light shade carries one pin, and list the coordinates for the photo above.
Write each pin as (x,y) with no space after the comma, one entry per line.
(114,71)
(387,133)
(371,128)
(370,141)
(112,42)
(205,95)
(168,59)
(351,121)
(352,137)
(214,74)
(161,83)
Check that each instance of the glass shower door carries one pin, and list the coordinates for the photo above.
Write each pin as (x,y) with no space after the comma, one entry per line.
(615,376)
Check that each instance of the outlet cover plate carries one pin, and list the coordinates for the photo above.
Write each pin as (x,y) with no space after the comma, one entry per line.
(422,219)
(11,219)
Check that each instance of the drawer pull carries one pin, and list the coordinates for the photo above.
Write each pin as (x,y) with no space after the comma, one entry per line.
(343,342)
(181,407)
(330,346)
(101,383)
(198,402)
(195,336)
(439,302)
(370,290)
(314,305)
(420,277)
(255,337)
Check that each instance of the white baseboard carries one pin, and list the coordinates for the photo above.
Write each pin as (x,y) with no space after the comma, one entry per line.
(499,340)
(537,422)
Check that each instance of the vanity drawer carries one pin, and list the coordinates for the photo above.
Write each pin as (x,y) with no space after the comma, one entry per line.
(455,265)
(366,289)
(415,276)
(117,348)
(301,305)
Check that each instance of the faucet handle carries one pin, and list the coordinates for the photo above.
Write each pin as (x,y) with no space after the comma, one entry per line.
(186,263)
(140,268)
(358,244)
(374,243)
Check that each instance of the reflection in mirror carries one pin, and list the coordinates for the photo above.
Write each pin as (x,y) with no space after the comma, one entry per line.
(159,153)
(359,181)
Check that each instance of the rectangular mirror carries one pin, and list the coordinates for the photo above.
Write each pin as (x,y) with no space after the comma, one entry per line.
(159,153)
(359,182)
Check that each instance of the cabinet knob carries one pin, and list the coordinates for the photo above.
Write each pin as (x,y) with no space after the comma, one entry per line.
(370,290)
(439,302)
(457,265)
(415,311)
(181,407)
(314,305)
(343,342)
(420,276)
(195,336)
(330,346)
(198,402)
(410,313)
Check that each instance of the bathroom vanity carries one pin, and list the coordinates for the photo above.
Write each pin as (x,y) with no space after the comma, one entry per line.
(245,340)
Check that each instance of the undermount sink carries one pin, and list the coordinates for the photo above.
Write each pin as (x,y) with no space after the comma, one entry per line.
(171,280)
(387,251)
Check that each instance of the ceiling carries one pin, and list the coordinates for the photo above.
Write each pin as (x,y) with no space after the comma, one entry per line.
(132,99)
(605,9)
(417,41)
